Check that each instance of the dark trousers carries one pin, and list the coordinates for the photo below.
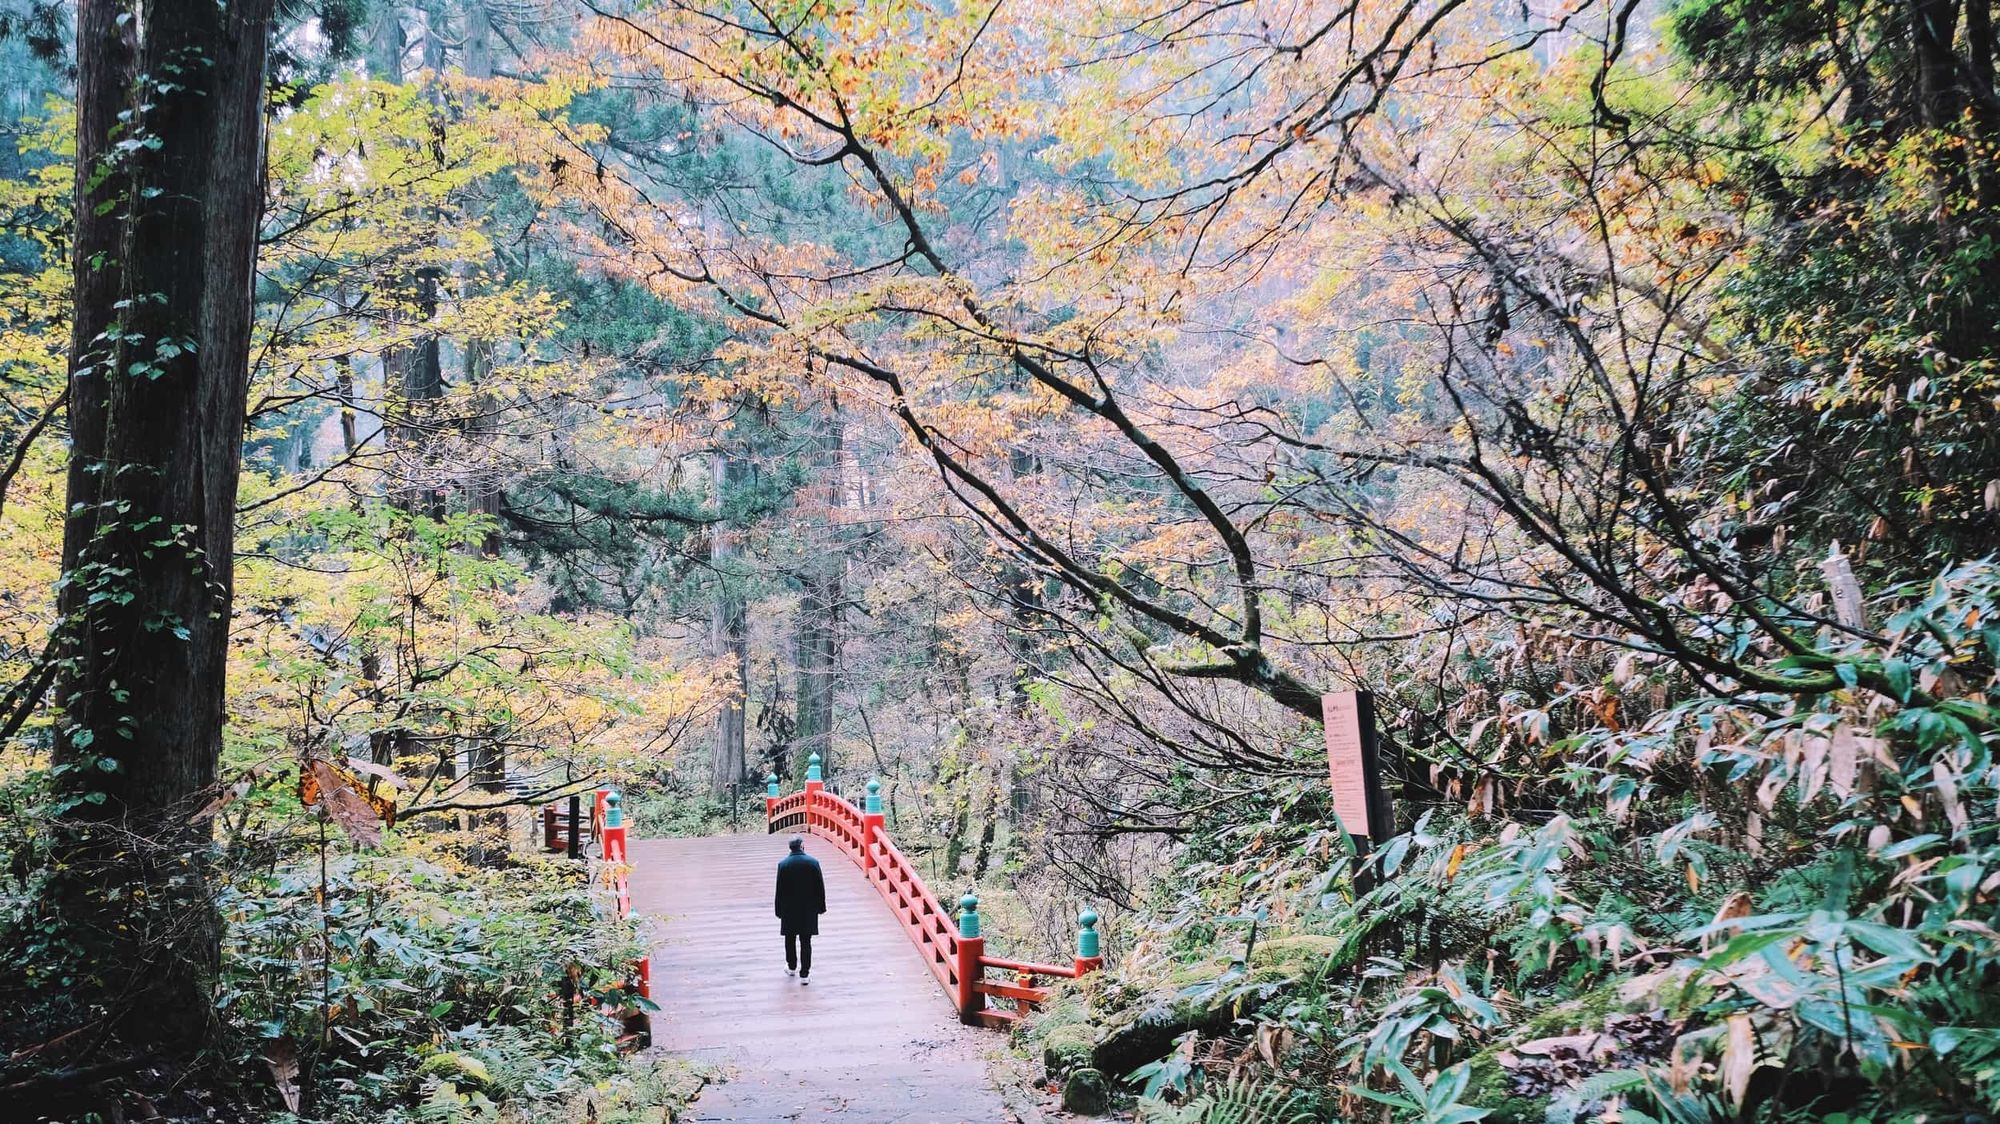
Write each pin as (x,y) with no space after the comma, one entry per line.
(799,953)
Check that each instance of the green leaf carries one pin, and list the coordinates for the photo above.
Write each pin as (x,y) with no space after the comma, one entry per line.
(1898,673)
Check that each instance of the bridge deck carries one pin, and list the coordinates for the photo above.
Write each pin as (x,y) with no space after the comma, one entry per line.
(873,1038)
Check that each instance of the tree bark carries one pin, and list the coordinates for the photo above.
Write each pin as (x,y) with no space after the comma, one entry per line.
(729,635)
(165,244)
(824,586)
(1024,601)
(386,44)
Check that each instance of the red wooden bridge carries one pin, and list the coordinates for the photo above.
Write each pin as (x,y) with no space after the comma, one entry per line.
(882,1033)
(988,990)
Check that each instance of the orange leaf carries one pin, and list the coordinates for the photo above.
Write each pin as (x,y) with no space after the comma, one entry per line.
(1458,854)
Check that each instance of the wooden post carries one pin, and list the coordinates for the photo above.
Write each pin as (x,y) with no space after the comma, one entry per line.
(971,947)
(770,799)
(549,842)
(575,844)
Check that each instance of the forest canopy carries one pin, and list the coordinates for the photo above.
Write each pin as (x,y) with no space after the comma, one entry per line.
(413,413)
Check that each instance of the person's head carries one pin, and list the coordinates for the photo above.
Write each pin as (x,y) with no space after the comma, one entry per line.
(798,844)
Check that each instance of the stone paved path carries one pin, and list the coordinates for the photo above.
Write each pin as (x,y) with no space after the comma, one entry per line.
(873,1038)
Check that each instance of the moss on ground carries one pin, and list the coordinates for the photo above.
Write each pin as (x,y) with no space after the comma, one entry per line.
(1067,1048)
(1294,957)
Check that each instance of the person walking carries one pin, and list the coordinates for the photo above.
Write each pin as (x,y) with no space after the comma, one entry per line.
(801,899)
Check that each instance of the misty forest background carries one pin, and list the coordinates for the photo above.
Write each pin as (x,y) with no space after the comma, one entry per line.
(1037,407)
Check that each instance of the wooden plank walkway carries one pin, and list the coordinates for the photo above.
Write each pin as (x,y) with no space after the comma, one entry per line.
(872,1038)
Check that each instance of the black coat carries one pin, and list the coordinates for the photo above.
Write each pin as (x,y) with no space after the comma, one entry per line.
(801,895)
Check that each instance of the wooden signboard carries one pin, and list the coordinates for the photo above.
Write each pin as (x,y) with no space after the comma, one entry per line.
(1354,765)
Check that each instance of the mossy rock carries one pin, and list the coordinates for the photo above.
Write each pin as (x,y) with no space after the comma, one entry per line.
(1151,1033)
(1069,1006)
(1294,957)
(1679,991)
(463,1071)
(1198,973)
(1067,1049)
(1086,1093)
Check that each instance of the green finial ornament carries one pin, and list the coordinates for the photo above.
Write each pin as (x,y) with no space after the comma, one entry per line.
(614,811)
(812,768)
(968,917)
(771,785)
(874,797)
(1086,938)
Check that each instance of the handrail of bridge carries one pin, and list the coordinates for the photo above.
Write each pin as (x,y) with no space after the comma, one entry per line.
(954,953)
(607,826)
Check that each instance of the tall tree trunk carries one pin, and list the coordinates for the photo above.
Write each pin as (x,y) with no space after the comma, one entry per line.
(417,372)
(729,635)
(412,372)
(982,856)
(386,44)
(478,51)
(1024,603)
(818,633)
(165,241)
(483,484)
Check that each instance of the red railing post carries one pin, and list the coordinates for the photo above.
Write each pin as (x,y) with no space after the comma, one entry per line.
(608,817)
(971,947)
(770,799)
(814,786)
(871,830)
(612,840)
(613,837)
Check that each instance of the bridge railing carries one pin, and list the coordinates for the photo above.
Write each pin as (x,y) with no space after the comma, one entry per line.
(986,990)
(563,831)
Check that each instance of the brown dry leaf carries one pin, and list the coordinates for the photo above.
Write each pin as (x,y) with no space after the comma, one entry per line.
(1738,904)
(1813,766)
(1767,793)
(1272,1042)
(1843,761)
(320,782)
(1739,1058)
(283,1061)
(1485,798)
(1947,790)
(1685,1063)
